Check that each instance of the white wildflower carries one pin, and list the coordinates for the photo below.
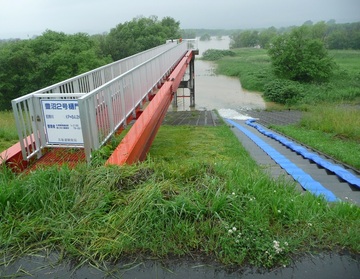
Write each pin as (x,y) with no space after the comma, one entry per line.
(277,247)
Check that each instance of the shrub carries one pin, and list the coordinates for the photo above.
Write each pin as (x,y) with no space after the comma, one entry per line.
(283,91)
(300,57)
(205,37)
(216,54)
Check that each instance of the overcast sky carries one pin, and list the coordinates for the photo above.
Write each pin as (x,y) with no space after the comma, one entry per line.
(26,18)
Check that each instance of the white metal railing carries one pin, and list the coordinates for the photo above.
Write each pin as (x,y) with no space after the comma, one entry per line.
(192,44)
(103,98)
(108,106)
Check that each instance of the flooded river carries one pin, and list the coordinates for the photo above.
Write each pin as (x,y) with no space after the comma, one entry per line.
(216,91)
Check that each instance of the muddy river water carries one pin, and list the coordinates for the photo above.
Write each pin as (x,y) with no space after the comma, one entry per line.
(216,91)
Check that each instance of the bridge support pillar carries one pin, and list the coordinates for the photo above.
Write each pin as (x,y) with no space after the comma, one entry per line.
(189,84)
(174,101)
(192,82)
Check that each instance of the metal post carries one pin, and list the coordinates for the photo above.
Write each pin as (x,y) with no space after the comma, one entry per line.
(174,102)
(192,82)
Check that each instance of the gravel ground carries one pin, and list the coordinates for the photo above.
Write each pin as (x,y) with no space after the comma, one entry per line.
(210,118)
(193,117)
(284,117)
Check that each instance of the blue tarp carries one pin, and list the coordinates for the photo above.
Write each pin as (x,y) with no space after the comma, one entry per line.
(304,179)
(336,169)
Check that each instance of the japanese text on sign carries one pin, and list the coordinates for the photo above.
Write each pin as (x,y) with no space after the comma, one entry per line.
(62,121)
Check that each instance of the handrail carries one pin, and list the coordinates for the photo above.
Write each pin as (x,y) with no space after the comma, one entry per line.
(123,65)
(27,110)
(138,140)
(121,86)
(108,106)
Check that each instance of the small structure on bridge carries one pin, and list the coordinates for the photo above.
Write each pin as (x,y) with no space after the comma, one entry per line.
(84,112)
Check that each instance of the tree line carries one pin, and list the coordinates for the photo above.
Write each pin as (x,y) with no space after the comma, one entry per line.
(29,65)
(334,36)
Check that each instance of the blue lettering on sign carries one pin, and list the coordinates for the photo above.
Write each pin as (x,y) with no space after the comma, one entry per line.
(61,106)
(73,106)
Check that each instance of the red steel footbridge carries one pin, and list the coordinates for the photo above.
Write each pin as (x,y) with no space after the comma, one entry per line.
(68,121)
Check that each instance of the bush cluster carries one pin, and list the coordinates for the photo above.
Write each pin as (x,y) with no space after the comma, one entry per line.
(301,57)
(216,54)
(283,91)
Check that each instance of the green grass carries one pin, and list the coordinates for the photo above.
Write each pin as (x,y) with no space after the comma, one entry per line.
(8,133)
(347,60)
(334,130)
(342,121)
(199,192)
(346,151)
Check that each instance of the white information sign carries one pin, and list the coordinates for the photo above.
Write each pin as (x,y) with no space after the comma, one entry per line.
(62,122)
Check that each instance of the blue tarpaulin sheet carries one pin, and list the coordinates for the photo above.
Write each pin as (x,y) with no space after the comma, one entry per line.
(304,179)
(336,169)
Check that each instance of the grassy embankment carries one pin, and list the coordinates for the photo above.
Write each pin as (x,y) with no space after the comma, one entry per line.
(8,134)
(331,120)
(199,192)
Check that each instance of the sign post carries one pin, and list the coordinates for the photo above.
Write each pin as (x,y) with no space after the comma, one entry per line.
(62,122)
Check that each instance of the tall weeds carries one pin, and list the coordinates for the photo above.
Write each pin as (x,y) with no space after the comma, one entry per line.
(341,121)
